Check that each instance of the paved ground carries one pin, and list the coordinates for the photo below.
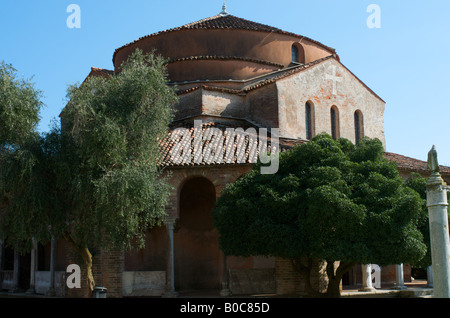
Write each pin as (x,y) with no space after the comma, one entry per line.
(417,289)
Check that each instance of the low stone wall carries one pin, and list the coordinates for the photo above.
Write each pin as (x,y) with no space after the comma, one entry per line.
(7,282)
(143,284)
(252,281)
(42,282)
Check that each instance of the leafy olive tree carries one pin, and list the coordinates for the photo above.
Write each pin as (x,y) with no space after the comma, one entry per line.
(103,187)
(20,105)
(330,201)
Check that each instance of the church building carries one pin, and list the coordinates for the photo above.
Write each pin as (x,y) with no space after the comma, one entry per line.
(229,73)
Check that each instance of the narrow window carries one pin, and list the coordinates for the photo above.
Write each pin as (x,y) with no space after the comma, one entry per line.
(359,126)
(334,114)
(295,58)
(309,120)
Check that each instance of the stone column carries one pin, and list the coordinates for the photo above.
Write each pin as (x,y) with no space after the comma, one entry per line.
(170,269)
(400,281)
(430,277)
(15,286)
(439,236)
(225,292)
(32,289)
(51,291)
(367,278)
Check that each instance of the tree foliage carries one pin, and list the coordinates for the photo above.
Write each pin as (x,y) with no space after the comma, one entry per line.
(95,180)
(419,184)
(111,128)
(329,200)
(20,105)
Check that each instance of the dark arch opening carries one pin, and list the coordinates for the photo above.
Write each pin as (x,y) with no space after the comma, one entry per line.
(298,54)
(309,120)
(359,126)
(197,252)
(335,129)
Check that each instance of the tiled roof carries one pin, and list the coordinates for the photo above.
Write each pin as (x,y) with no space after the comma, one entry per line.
(219,146)
(242,153)
(101,71)
(264,79)
(411,164)
(226,22)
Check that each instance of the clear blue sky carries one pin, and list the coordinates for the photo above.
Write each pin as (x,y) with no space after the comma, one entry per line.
(405,61)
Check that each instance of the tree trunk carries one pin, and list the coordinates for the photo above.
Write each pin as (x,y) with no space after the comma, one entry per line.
(334,287)
(87,259)
(334,278)
(305,268)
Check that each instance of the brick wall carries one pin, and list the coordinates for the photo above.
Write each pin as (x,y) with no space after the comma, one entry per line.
(107,271)
(290,282)
(109,265)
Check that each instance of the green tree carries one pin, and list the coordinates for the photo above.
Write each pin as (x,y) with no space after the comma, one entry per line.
(20,105)
(419,184)
(103,186)
(329,201)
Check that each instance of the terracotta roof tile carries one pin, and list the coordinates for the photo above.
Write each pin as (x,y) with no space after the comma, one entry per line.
(101,71)
(411,164)
(219,146)
(265,79)
(244,149)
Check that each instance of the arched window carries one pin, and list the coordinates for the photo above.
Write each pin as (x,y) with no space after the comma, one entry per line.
(335,129)
(359,126)
(295,54)
(298,53)
(309,120)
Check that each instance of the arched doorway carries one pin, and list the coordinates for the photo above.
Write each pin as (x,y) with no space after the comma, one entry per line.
(197,253)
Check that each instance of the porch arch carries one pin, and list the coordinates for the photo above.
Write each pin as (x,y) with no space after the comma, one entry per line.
(197,254)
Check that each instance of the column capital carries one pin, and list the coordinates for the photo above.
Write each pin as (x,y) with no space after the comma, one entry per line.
(170,222)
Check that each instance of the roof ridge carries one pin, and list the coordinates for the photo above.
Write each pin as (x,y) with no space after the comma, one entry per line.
(199,21)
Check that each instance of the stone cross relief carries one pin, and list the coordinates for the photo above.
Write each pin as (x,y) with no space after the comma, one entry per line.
(334,78)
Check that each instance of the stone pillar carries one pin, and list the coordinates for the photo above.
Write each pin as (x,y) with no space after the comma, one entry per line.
(170,269)
(439,237)
(430,277)
(15,286)
(32,289)
(51,291)
(400,281)
(225,292)
(367,278)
